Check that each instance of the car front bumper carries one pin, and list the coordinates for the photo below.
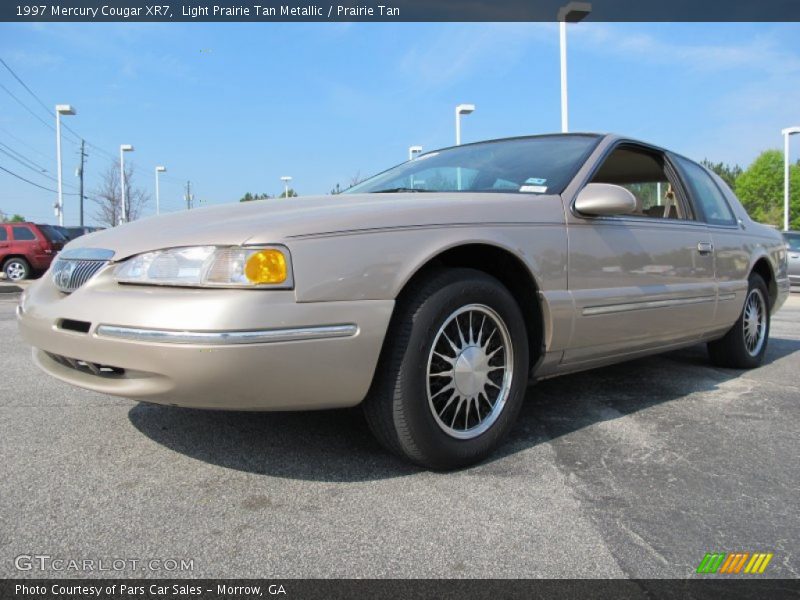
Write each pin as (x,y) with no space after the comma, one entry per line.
(204,348)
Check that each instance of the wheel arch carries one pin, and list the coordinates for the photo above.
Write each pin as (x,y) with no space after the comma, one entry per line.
(763,267)
(9,257)
(508,268)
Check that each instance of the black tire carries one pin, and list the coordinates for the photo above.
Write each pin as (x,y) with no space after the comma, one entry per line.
(17,269)
(732,351)
(399,408)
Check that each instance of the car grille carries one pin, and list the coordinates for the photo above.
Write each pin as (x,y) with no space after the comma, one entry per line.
(87,367)
(69,274)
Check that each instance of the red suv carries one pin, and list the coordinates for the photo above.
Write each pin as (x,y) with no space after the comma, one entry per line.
(26,248)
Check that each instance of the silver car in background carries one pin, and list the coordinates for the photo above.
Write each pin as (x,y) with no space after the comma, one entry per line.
(432,293)
(793,246)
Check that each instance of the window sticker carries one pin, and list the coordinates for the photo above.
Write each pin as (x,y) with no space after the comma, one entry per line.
(535,181)
(536,189)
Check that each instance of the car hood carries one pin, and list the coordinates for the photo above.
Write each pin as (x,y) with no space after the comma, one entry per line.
(280,220)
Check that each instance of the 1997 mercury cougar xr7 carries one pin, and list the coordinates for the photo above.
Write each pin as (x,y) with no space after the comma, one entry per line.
(432,293)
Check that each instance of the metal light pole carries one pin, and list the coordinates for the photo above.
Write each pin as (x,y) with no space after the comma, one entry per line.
(462,109)
(159,169)
(124,209)
(573,12)
(412,150)
(61,109)
(286,179)
(788,132)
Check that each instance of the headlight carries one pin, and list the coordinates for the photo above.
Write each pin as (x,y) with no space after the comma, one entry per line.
(211,266)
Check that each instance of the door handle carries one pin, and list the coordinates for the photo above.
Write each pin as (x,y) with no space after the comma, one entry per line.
(705,247)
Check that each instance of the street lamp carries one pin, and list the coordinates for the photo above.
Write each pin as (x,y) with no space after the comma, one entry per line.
(462,109)
(574,12)
(788,132)
(412,150)
(159,169)
(61,109)
(122,150)
(286,179)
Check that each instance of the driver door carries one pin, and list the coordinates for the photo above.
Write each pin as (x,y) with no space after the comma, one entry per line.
(642,280)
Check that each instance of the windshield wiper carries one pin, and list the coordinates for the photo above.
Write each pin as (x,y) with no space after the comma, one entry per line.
(399,189)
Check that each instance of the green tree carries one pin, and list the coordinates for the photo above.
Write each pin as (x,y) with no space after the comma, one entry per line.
(248,197)
(728,173)
(291,194)
(17,219)
(760,188)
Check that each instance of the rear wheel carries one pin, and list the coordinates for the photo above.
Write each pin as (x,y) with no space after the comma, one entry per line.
(453,371)
(17,269)
(745,345)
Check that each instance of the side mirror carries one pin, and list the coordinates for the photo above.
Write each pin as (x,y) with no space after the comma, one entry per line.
(604,199)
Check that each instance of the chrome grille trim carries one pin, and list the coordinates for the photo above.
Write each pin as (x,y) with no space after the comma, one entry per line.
(68,274)
(86,254)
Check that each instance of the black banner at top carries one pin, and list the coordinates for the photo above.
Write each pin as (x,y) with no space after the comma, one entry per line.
(396,10)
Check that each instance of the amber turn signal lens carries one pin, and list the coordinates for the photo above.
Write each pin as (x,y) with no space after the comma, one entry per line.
(266,266)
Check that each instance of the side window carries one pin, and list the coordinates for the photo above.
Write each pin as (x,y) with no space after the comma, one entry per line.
(22,233)
(643,173)
(3,234)
(706,194)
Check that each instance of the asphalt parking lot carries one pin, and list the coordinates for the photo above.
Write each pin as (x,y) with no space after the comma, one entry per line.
(636,470)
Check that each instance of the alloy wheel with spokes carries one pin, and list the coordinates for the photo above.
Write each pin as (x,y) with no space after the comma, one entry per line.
(754,322)
(469,372)
(16,270)
(745,344)
(453,372)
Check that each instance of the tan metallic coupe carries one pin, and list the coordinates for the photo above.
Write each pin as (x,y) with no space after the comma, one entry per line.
(432,293)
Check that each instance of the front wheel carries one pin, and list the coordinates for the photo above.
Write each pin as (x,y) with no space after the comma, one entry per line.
(453,372)
(745,345)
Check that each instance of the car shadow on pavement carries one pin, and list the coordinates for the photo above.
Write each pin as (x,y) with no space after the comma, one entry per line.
(336,445)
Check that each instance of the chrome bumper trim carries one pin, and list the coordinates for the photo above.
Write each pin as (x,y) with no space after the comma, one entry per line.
(261,336)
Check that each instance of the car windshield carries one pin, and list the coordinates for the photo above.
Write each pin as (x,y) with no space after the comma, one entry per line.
(793,239)
(534,165)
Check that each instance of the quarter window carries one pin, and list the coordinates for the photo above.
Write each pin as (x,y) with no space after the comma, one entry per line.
(3,234)
(22,233)
(706,193)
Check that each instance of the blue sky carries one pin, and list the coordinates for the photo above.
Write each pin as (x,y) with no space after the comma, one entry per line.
(232,107)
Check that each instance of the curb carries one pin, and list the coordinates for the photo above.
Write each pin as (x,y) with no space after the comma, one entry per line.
(10,289)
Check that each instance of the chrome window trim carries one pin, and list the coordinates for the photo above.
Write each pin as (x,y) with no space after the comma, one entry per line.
(228,337)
